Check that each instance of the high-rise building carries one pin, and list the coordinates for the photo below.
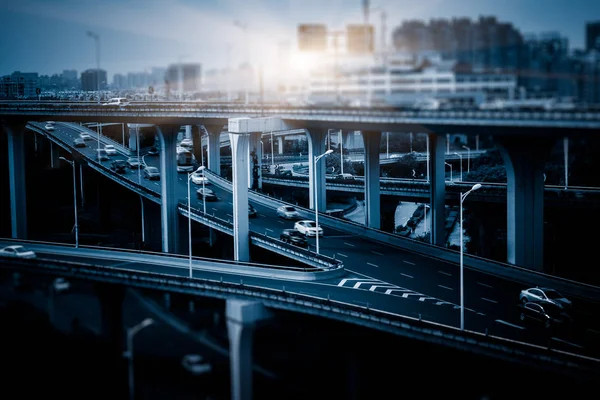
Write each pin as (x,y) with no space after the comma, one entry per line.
(19,85)
(592,36)
(184,77)
(93,79)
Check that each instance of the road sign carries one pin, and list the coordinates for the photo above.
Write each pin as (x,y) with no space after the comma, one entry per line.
(312,37)
(360,39)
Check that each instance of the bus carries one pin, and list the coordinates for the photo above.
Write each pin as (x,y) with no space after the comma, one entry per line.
(186,162)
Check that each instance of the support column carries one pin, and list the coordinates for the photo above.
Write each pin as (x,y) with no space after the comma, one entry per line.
(280,145)
(254,146)
(242,317)
(111,299)
(214,147)
(197,133)
(168,182)
(16,176)
(524,159)
(372,183)
(132,136)
(437,191)
(54,154)
(316,147)
(240,162)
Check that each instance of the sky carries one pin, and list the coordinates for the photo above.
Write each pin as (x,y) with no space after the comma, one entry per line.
(48,36)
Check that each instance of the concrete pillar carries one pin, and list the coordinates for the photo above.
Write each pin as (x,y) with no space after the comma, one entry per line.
(168,182)
(280,145)
(133,132)
(214,147)
(316,147)
(372,182)
(54,155)
(437,192)
(197,133)
(239,159)
(188,132)
(524,159)
(111,299)
(242,317)
(16,177)
(254,146)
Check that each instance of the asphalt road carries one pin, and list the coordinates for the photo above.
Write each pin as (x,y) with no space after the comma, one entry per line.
(386,277)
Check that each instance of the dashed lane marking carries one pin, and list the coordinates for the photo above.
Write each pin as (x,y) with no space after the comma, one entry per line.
(214,209)
(408,262)
(566,342)
(373,265)
(269,230)
(485,285)
(426,298)
(343,281)
(509,324)
(444,273)
(445,287)
(343,255)
(376,252)
(349,244)
(490,300)
(229,215)
(374,287)
(406,275)
(390,291)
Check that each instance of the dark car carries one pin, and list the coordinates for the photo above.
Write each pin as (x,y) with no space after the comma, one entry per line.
(134,162)
(294,237)
(78,142)
(151,173)
(252,211)
(119,166)
(208,194)
(548,315)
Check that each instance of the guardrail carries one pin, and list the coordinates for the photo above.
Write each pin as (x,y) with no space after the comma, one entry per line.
(126,151)
(503,270)
(319,262)
(403,326)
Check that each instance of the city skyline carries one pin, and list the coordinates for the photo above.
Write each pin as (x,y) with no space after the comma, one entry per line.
(134,38)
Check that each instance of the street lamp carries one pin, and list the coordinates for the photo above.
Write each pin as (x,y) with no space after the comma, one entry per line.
(131,332)
(341,139)
(272,153)
(316,159)
(201,168)
(460,156)
(450,165)
(468,158)
(463,196)
(74,200)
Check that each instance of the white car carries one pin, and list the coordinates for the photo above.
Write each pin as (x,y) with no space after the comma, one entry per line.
(17,251)
(49,127)
(288,212)
(110,149)
(543,296)
(197,178)
(60,285)
(85,136)
(308,228)
(117,101)
(193,364)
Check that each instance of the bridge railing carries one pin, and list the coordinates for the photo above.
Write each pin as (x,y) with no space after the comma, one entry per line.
(405,326)
(103,139)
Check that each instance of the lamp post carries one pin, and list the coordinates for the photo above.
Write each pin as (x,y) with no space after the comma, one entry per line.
(74,200)
(131,332)
(341,140)
(468,158)
(450,165)
(272,154)
(387,145)
(460,156)
(316,159)
(96,38)
(463,196)
(201,168)
(137,146)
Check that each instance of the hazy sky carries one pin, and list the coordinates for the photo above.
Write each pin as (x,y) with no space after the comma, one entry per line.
(47,36)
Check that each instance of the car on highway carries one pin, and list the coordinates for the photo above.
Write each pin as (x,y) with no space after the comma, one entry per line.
(543,295)
(208,194)
(102,155)
(119,166)
(198,179)
(151,173)
(60,285)
(117,101)
(252,211)
(288,212)
(78,142)
(134,162)
(49,127)
(153,151)
(548,315)
(110,149)
(17,251)
(294,237)
(195,364)
(85,136)
(308,228)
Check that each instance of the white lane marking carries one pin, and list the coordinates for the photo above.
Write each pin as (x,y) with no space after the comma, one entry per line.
(343,255)
(408,276)
(376,252)
(343,281)
(281,222)
(373,287)
(357,284)
(445,287)
(230,202)
(349,244)
(509,324)
(373,265)
(270,230)
(565,342)
(483,284)
(490,300)
(261,215)
(408,262)
(426,298)
(389,291)
(444,273)
(405,295)
(441,302)
(229,215)
(214,209)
